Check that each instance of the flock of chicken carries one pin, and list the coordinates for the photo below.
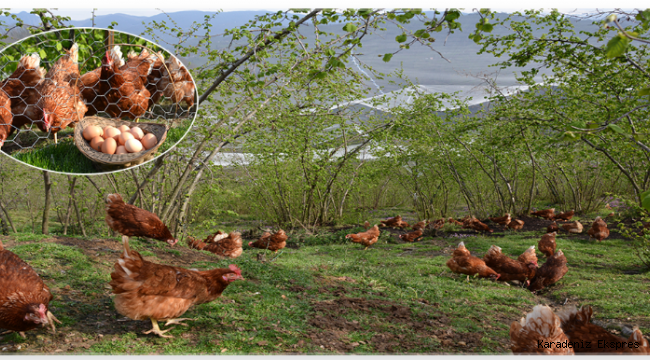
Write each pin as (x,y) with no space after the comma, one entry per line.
(144,290)
(61,97)
(148,291)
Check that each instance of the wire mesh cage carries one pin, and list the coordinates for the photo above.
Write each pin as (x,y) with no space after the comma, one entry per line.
(56,83)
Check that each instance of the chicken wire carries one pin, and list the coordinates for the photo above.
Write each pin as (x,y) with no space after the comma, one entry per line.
(51,81)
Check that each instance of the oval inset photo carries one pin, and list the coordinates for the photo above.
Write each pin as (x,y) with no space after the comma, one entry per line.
(88,100)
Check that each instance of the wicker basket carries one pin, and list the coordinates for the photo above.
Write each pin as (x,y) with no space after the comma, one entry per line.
(108,162)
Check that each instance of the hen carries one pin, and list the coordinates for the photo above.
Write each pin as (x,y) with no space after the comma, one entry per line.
(20,87)
(503,220)
(94,87)
(6,119)
(24,298)
(521,270)
(420,225)
(566,216)
(61,102)
(574,227)
(462,262)
(272,242)
(126,95)
(145,290)
(172,80)
(395,222)
(412,236)
(591,338)
(365,238)
(438,224)
(550,272)
(129,221)
(599,230)
(547,244)
(228,245)
(540,327)
(516,224)
(366,225)
(475,224)
(552,228)
(454,221)
(547,214)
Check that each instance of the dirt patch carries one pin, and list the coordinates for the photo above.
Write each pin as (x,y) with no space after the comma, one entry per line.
(426,332)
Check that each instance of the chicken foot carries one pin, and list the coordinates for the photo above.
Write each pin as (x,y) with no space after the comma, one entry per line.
(22,333)
(51,319)
(156,330)
(178,321)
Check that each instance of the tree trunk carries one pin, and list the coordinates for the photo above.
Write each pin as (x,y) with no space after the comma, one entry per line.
(69,211)
(11,223)
(48,200)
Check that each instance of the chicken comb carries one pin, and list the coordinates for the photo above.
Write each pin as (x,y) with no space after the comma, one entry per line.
(234,269)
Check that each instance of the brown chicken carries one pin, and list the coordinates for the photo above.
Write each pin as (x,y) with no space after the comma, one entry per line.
(273,242)
(547,214)
(550,272)
(20,87)
(145,290)
(24,298)
(454,221)
(547,244)
(521,270)
(229,245)
(553,227)
(574,227)
(126,95)
(92,91)
(599,230)
(366,225)
(129,221)
(475,224)
(6,119)
(462,262)
(516,224)
(540,326)
(395,222)
(503,220)
(365,238)
(412,236)
(565,216)
(178,86)
(591,338)
(438,224)
(420,225)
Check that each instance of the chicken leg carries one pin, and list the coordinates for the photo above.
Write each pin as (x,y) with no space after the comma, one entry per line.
(55,139)
(156,330)
(177,321)
(51,318)
(125,242)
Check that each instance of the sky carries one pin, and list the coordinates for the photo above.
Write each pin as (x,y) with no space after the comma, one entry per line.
(139,8)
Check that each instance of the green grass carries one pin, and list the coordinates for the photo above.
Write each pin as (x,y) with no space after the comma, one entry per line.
(64,157)
(281,306)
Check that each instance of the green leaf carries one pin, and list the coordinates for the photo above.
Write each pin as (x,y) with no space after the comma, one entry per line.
(592,125)
(645,194)
(59,46)
(438,29)
(349,27)
(616,46)
(401,38)
(645,91)
(487,27)
(42,53)
(646,203)
(615,128)
(387,57)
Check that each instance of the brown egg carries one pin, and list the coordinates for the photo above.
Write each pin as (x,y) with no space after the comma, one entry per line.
(123,128)
(109,146)
(111,132)
(96,143)
(92,131)
(124,137)
(121,150)
(133,146)
(138,134)
(149,141)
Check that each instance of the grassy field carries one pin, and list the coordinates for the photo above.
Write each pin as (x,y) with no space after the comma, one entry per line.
(322,294)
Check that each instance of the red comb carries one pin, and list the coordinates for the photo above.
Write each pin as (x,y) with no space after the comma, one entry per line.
(235,269)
